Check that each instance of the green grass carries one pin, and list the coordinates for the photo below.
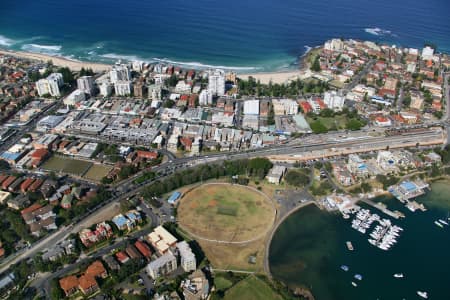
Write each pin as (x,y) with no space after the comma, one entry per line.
(222,283)
(97,172)
(67,165)
(252,288)
(331,123)
(227,210)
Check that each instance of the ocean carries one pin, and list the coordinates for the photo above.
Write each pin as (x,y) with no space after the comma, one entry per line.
(309,248)
(244,36)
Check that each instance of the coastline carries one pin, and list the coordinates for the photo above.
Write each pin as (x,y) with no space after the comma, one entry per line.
(279,77)
(58,60)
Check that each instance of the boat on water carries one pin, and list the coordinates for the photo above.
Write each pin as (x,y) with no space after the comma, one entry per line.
(358,276)
(438,224)
(442,222)
(398,275)
(345,268)
(349,245)
(354,284)
(424,295)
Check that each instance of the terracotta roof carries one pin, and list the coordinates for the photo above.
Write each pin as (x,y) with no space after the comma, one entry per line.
(87,282)
(122,257)
(68,283)
(143,248)
(147,154)
(96,269)
(31,208)
(39,153)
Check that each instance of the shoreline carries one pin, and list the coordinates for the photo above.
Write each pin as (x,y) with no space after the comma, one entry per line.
(278,77)
(59,61)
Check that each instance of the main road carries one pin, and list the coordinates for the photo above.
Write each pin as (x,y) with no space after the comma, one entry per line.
(128,189)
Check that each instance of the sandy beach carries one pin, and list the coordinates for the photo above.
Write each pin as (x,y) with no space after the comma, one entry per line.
(275,77)
(58,61)
(265,78)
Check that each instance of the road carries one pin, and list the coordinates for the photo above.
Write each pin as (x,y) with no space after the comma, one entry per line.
(45,281)
(320,142)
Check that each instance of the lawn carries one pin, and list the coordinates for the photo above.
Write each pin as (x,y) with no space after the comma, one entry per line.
(222,283)
(97,172)
(67,165)
(225,212)
(338,121)
(252,288)
(228,213)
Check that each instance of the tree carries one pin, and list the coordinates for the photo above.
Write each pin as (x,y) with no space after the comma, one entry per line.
(67,74)
(318,127)
(315,67)
(55,290)
(297,178)
(354,124)
(168,103)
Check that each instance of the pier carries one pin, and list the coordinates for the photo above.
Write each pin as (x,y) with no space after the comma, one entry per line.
(383,208)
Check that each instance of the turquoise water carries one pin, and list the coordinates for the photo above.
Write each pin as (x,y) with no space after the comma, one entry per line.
(309,248)
(251,35)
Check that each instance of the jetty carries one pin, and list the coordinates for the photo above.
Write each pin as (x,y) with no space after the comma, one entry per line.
(382,207)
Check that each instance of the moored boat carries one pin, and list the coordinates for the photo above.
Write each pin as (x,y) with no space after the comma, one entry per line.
(345,268)
(438,224)
(349,245)
(398,275)
(424,295)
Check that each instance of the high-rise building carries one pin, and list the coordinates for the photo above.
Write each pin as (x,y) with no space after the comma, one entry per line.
(86,84)
(122,88)
(50,85)
(216,82)
(205,97)
(120,73)
(139,89)
(105,89)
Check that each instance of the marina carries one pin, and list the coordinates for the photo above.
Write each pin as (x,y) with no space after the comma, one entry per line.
(383,236)
(395,269)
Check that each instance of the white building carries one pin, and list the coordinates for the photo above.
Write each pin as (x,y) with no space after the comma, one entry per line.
(122,88)
(137,66)
(188,262)
(105,89)
(275,174)
(50,85)
(216,82)
(76,96)
(119,73)
(86,84)
(283,107)
(334,45)
(333,101)
(183,87)
(205,97)
(251,107)
(163,265)
(427,53)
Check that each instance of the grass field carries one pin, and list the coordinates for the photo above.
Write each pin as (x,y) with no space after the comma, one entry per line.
(222,283)
(252,288)
(97,172)
(67,165)
(338,122)
(228,213)
(225,212)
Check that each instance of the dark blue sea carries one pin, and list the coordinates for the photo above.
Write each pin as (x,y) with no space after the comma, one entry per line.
(243,35)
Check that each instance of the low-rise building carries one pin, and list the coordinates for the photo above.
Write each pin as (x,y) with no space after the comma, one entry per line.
(161,266)
(187,257)
(276,173)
